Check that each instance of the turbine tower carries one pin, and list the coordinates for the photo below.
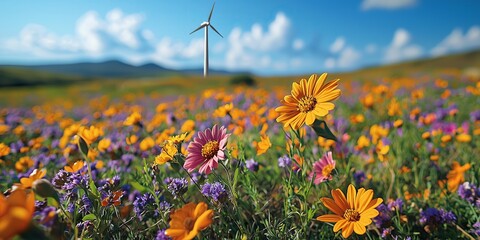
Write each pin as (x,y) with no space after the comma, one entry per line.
(206,25)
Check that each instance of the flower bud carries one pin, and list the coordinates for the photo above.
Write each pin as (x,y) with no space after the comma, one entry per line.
(44,188)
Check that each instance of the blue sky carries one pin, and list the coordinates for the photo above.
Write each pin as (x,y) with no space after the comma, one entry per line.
(265,37)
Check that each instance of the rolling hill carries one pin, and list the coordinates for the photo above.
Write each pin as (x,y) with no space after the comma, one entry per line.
(28,75)
(16,75)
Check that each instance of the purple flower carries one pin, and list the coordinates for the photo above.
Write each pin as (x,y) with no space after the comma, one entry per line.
(435,217)
(161,235)
(40,205)
(176,186)
(284,161)
(85,226)
(251,165)
(384,217)
(109,184)
(48,216)
(86,205)
(359,177)
(215,190)
(475,116)
(144,207)
(469,193)
(396,205)
(476,228)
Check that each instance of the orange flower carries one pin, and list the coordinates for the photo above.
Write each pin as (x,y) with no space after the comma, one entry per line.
(368,101)
(75,167)
(23,163)
(104,144)
(189,220)
(382,150)
(91,134)
(16,211)
(263,145)
(394,108)
(464,138)
(455,177)
(363,142)
(169,149)
(4,150)
(309,100)
(134,119)
(35,175)
(131,140)
(188,126)
(113,199)
(147,143)
(351,213)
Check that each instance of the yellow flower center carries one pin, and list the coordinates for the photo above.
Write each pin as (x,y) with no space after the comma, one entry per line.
(327,170)
(210,149)
(189,223)
(307,104)
(351,215)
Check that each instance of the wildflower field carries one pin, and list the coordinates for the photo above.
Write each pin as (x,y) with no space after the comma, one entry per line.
(319,158)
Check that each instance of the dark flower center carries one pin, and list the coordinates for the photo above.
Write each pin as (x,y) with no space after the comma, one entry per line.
(307,104)
(210,149)
(189,223)
(351,215)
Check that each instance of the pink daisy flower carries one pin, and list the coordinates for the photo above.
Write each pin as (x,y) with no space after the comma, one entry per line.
(206,150)
(322,169)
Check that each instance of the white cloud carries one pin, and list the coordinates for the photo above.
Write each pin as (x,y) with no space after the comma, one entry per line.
(400,47)
(457,41)
(298,44)
(252,49)
(93,36)
(387,4)
(344,56)
(337,45)
(348,57)
(330,63)
(172,53)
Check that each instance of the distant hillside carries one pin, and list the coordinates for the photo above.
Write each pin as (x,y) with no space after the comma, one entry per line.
(108,69)
(73,73)
(458,61)
(23,75)
(14,76)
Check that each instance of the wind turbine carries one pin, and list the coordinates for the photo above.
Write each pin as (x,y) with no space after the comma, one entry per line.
(206,25)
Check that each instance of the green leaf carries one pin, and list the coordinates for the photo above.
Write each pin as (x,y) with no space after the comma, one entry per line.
(93,188)
(137,186)
(235,181)
(320,127)
(82,144)
(89,217)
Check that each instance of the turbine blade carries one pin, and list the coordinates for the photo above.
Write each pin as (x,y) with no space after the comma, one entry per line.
(216,30)
(201,26)
(210,16)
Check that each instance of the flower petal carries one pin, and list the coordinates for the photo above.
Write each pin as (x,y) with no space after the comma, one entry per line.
(351,195)
(374,203)
(364,200)
(339,225)
(359,228)
(332,206)
(340,199)
(204,220)
(310,118)
(347,230)
(329,218)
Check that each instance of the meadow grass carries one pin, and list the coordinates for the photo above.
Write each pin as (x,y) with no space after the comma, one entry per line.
(114,158)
